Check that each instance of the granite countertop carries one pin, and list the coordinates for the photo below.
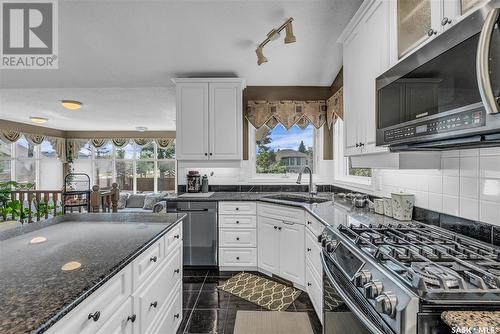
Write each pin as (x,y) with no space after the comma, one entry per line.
(35,291)
(327,212)
(472,319)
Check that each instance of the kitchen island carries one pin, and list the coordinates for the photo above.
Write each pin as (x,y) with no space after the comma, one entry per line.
(53,270)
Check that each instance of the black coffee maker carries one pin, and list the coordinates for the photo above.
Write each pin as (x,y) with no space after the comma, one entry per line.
(193,181)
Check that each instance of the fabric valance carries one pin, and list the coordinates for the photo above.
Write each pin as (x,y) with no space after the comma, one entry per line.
(335,107)
(58,144)
(287,113)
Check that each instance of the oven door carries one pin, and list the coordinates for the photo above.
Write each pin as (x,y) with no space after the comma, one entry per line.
(450,88)
(344,309)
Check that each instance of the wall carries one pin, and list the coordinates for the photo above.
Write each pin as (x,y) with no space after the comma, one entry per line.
(468,184)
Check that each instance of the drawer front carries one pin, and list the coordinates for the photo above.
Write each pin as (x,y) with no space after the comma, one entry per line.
(121,321)
(153,296)
(237,208)
(237,221)
(146,263)
(313,224)
(103,303)
(237,237)
(171,318)
(282,213)
(173,238)
(313,252)
(232,257)
(315,292)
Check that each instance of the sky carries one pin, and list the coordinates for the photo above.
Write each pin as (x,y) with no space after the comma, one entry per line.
(282,139)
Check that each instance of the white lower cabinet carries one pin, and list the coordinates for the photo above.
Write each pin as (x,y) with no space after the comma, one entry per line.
(281,244)
(121,321)
(131,302)
(314,287)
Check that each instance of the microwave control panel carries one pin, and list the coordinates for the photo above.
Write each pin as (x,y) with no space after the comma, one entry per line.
(459,121)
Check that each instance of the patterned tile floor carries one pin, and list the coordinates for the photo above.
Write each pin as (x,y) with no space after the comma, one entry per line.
(209,310)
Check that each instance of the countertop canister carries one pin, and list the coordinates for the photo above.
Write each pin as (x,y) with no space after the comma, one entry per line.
(402,205)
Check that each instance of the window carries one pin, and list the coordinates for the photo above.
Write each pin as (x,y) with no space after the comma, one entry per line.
(344,171)
(135,168)
(281,151)
(27,163)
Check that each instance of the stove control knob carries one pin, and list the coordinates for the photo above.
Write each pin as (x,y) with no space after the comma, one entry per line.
(362,277)
(330,246)
(321,237)
(373,288)
(386,303)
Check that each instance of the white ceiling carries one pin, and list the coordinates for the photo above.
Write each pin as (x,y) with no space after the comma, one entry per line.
(118,57)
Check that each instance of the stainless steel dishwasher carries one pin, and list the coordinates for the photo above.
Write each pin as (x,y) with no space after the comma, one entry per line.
(200,232)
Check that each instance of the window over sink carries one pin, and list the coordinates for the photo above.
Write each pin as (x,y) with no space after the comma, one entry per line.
(279,151)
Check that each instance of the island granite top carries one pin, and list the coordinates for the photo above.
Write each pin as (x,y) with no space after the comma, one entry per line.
(35,291)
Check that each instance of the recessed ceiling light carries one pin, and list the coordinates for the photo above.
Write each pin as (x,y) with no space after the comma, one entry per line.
(38,120)
(141,128)
(71,104)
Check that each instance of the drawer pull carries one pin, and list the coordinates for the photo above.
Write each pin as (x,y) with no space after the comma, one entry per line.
(176,316)
(237,209)
(237,238)
(153,259)
(177,271)
(237,222)
(94,316)
(132,318)
(238,258)
(153,304)
(309,249)
(176,236)
(309,284)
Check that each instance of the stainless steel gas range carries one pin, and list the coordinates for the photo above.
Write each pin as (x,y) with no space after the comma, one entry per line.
(399,279)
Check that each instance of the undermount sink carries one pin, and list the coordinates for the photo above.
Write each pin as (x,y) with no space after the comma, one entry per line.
(298,199)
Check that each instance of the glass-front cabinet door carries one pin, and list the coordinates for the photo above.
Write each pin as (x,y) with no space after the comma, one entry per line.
(414,19)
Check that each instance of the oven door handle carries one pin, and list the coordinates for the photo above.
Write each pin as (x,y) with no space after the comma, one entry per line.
(349,301)
(482,65)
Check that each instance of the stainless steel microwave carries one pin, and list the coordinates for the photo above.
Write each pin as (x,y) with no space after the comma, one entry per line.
(445,95)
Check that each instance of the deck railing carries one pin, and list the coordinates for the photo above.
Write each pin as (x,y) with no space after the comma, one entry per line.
(104,200)
(30,205)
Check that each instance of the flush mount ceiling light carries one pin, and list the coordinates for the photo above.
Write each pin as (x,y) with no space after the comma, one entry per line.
(38,120)
(141,128)
(273,35)
(71,104)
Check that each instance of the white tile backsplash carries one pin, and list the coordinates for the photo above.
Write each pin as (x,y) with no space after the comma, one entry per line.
(468,184)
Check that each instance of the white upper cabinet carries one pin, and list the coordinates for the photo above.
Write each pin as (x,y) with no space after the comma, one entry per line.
(225,120)
(209,119)
(366,54)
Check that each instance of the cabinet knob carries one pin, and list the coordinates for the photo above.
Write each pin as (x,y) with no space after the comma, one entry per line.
(153,259)
(357,145)
(206,154)
(238,258)
(445,21)
(237,238)
(237,222)
(309,284)
(237,209)
(431,32)
(309,249)
(177,271)
(132,318)
(176,316)
(95,316)
(279,228)
(361,144)
(276,227)
(210,154)
(308,222)
(153,304)
(176,236)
